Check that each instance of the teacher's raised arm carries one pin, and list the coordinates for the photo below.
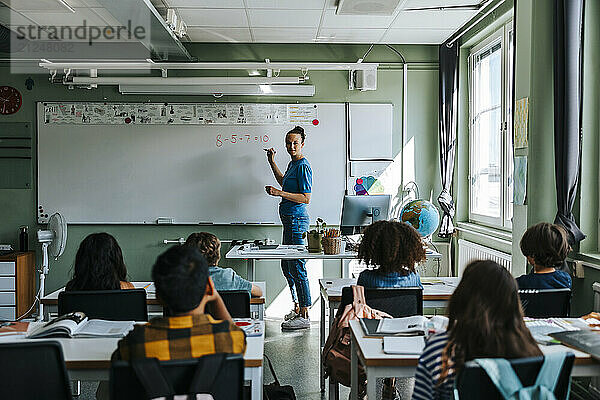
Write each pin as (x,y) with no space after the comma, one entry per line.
(296,187)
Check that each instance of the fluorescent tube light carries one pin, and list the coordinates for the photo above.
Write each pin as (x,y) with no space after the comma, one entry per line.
(231,90)
(176,81)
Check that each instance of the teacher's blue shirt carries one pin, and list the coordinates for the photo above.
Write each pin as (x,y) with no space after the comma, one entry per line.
(297,179)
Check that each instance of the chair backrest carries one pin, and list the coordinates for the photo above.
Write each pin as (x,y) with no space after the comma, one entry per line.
(398,302)
(33,370)
(237,303)
(228,384)
(474,384)
(116,305)
(544,303)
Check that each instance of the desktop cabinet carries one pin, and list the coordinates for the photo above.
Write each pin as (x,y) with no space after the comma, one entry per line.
(17,286)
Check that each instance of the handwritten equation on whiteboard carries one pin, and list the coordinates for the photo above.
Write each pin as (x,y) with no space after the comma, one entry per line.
(179,114)
(240,138)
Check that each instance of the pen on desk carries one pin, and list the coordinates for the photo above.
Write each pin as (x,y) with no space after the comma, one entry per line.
(147,286)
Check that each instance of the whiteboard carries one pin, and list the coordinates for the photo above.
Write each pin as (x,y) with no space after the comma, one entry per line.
(136,174)
(371,131)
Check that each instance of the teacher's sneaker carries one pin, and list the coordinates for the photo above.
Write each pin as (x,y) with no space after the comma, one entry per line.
(295,324)
(291,315)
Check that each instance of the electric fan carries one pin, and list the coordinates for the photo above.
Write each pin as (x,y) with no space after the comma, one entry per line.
(53,240)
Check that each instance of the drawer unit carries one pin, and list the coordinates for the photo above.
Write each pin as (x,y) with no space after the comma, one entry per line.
(17,286)
(7,268)
(7,299)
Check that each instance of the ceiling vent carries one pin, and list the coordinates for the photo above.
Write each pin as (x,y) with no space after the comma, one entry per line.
(367,7)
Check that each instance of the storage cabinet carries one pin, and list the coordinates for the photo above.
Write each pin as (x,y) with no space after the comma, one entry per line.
(17,285)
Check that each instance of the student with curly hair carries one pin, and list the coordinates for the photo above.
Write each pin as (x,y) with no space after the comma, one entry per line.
(99,265)
(485,321)
(546,247)
(223,278)
(393,249)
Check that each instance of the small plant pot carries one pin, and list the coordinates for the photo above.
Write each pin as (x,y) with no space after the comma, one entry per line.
(314,242)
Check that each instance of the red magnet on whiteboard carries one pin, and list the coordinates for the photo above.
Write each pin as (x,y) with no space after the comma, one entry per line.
(127,120)
(315,122)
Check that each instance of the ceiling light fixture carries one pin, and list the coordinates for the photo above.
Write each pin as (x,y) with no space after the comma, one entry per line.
(182,81)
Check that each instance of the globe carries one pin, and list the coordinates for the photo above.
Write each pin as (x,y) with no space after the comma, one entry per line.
(422,215)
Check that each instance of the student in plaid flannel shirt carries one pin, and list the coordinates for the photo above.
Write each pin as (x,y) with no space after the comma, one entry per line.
(184,288)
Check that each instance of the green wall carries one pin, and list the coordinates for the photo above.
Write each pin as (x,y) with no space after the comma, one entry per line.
(141,244)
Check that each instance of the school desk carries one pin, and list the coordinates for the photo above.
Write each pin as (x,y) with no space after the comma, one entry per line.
(50,301)
(237,253)
(436,293)
(377,364)
(88,359)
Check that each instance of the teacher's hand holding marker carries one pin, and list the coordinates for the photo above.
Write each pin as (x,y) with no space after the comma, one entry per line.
(296,188)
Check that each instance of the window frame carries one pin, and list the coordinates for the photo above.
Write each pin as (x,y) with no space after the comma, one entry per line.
(500,36)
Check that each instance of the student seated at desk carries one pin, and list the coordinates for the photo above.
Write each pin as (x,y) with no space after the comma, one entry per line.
(223,278)
(184,288)
(99,265)
(393,248)
(546,247)
(485,321)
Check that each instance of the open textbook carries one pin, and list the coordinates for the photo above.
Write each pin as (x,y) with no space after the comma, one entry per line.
(415,325)
(76,324)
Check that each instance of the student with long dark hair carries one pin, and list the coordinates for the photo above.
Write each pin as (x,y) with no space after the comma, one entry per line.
(99,265)
(485,321)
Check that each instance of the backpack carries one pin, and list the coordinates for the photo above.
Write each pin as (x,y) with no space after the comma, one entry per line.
(336,352)
(509,385)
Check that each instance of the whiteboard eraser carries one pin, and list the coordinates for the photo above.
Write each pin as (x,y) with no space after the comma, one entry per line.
(164,220)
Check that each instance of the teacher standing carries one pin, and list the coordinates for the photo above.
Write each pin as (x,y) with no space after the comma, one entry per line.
(296,186)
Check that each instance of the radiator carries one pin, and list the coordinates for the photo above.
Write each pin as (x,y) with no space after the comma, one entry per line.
(469,251)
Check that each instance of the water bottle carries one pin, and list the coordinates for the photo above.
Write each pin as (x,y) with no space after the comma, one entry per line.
(23,239)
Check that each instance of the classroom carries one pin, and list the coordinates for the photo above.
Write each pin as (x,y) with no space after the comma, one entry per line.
(270,125)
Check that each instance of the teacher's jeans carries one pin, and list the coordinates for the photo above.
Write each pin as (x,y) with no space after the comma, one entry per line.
(295,270)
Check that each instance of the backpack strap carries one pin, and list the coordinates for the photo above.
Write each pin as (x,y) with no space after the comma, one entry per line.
(206,374)
(150,375)
(550,371)
(358,293)
(502,375)
(276,381)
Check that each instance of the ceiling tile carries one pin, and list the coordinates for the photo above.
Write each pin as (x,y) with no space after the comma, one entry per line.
(287,4)
(350,35)
(42,5)
(437,3)
(331,20)
(66,19)
(290,35)
(219,18)
(449,19)
(198,34)
(416,36)
(205,3)
(284,18)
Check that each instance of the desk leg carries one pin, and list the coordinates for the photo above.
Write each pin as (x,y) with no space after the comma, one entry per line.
(371,385)
(256,383)
(354,373)
(261,312)
(334,389)
(322,337)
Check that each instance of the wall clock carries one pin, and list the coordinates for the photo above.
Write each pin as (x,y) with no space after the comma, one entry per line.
(10,100)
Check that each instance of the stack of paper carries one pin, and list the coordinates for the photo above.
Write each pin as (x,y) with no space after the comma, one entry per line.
(403,345)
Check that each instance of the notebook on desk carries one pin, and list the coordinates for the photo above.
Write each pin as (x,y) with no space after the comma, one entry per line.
(403,345)
(587,341)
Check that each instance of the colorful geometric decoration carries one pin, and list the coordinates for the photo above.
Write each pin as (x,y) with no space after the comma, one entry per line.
(366,185)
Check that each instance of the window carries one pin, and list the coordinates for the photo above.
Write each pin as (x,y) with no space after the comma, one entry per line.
(490,131)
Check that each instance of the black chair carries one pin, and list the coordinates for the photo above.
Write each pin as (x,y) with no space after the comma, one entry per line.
(181,375)
(33,370)
(474,384)
(237,303)
(398,302)
(116,305)
(545,303)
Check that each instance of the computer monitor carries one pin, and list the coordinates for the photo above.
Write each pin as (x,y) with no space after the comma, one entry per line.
(361,211)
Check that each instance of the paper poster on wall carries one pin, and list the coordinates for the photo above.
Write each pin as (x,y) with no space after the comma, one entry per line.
(79,113)
(521,123)
(520,180)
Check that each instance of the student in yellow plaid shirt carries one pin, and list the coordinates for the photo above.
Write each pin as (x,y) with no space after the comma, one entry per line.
(184,288)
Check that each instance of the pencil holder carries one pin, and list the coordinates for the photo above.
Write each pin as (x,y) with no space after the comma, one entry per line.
(332,245)
(314,242)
